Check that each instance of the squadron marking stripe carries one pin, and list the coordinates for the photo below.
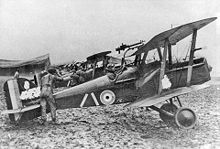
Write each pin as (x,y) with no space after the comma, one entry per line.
(84,100)
(85,97)
(95,99)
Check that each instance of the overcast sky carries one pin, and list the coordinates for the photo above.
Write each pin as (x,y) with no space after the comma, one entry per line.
(74,29)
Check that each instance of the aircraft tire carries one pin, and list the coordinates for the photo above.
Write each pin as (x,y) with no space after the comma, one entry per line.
(185,118)
(171,108)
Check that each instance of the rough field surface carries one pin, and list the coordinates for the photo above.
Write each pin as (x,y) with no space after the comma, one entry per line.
(118,127)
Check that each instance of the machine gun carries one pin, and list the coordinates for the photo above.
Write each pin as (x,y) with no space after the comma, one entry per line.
(124,46)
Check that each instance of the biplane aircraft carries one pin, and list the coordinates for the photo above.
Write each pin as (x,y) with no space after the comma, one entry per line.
(138,83)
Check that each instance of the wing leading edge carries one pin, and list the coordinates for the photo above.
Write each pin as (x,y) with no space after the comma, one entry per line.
(174,35)
(146,102)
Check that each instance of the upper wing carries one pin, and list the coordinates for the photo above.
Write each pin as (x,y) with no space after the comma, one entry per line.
(146,102)
(174,35)
(98,55)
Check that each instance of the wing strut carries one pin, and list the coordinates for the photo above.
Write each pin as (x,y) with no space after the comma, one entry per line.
(163,65)
(190,66)
(159,53)
(170,55)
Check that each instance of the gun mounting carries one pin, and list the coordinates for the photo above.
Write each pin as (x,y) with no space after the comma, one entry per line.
(124,46)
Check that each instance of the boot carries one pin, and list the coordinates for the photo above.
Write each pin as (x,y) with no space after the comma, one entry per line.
(55,121)
(43,122)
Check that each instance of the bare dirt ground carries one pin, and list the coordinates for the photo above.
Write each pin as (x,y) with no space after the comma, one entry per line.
(118,127)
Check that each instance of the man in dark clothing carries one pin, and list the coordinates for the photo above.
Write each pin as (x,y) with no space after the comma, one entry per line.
(47,94)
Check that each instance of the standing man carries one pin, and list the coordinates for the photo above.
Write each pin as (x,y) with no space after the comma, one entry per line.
(46,95)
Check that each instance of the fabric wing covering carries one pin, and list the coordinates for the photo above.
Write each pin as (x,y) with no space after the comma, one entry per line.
(174,35)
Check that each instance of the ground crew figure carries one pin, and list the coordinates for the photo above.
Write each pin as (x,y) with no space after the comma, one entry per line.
(47,94)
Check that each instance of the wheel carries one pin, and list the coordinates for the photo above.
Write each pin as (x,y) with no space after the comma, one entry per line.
(185,118)
(171,108)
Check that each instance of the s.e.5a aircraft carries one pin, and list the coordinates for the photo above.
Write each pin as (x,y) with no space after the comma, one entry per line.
(140,83)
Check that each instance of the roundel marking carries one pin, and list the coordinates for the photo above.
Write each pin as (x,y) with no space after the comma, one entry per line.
(107,97)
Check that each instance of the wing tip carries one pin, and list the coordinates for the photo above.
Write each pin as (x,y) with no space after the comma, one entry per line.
(211,19)
(214,18)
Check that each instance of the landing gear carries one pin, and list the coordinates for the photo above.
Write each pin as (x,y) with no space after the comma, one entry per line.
(168,107)
(185,118)
(172,115)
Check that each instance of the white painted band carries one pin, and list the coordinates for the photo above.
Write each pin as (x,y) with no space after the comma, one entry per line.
(84,100)
(95,99)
